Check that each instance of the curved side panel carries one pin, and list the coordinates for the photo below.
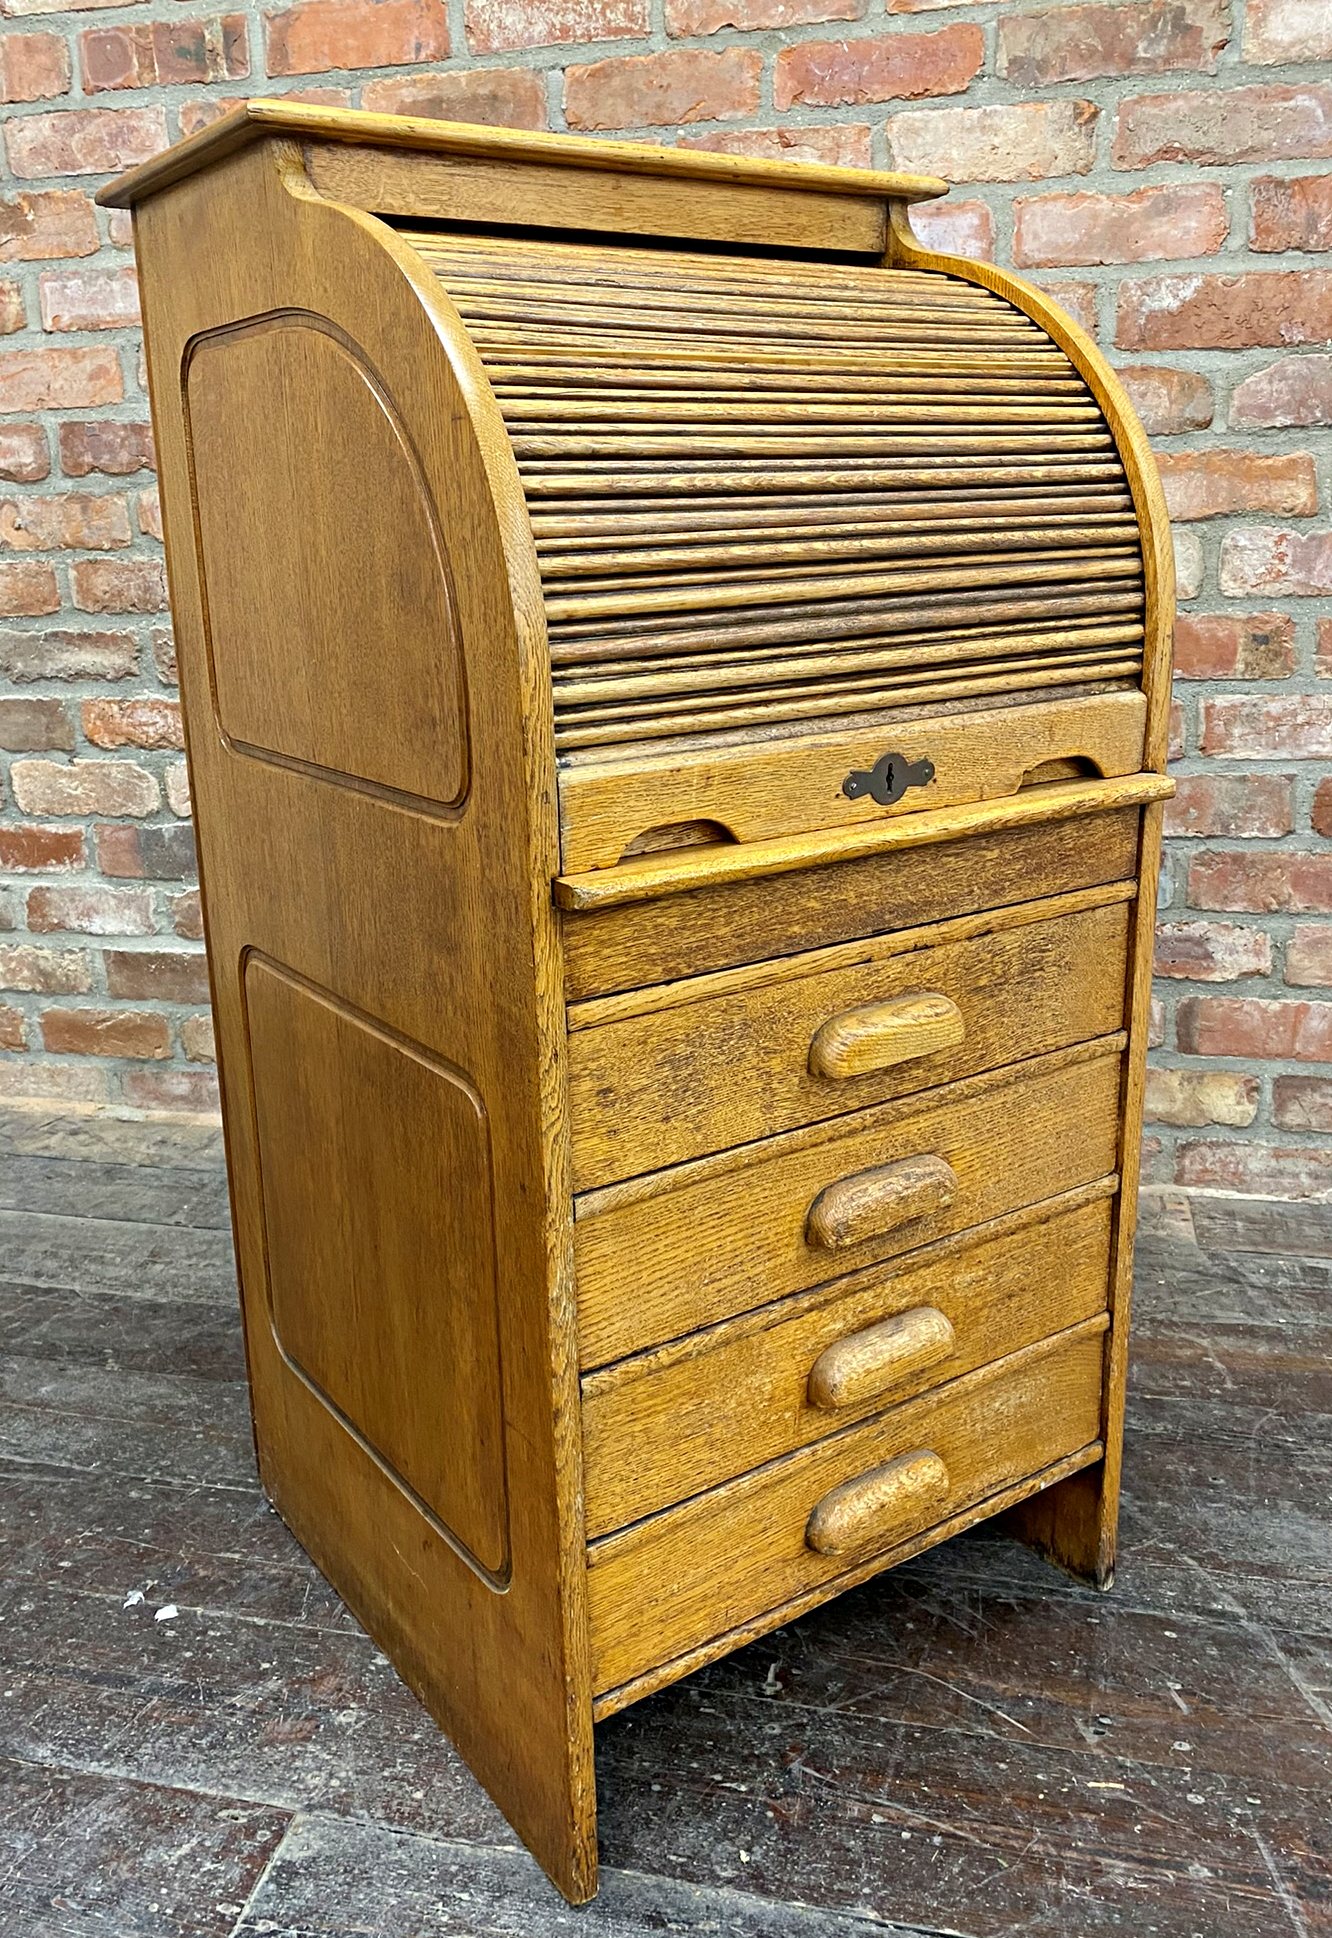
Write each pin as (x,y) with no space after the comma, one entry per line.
(329,612)
(1158,557)
(373,778)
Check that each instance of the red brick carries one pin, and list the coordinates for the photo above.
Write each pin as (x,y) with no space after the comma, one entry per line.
(71,518)
(90,908)
(1302,1103)
(1079,43)
(1298,727)
(162,53)
(106,1032)
(33,67)
(1188,563)
(49,972)
(150,512)
(1320,819)
(80,787)
(1211,951)
(68,656)
(13,310)
(196,1039)
(1022,143)
(164,655)
(13,1029)
(119,585)
(1220,125)
(1294,213)
(1309,957)
(38,224)
(1206,312)
(847,145)
(663,90)
(104,445)
(956,228)
(316,35)
(1238,806)
(1216,482)
(25,1080)
(1155,1023)
(133,723)
(495,26)
(898,66)
(1075,231)
(691,17)
(1233,646)
(35,726)
(176,779)
(1287,30)
(1259,884)
(84,141)
(147,854)
(158,975)
(1258,1169)
(1323,650)
(1168,400)
(24,457)
(60,379)
(1294,390)
(1254,1026)
(39,851)
(187,915)
(1195,1098)
(88,299)
(497,97)
(1262,558)
(27,589)
(191,1090)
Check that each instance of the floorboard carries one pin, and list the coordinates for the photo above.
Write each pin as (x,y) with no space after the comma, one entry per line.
(203,1744)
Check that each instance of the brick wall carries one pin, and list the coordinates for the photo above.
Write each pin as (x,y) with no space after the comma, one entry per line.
(1166,165)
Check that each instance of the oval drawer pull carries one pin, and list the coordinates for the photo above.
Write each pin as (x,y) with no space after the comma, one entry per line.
(879,1035)
(873,1202)
(878,1357)
(874,1507)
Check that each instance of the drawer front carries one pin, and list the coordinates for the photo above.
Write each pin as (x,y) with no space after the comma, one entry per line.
(669,1424)
(687,1248)
(780,915)
(729,1059)
(671,1583)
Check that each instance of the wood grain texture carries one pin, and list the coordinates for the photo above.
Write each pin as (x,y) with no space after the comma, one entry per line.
(878,1508)
(870,1204)
(686,1416)
(718,1060)
(771,788)
(676,871)
(636,945)
(255,119)
(723,1235)
(497,1669)
(671,1582)
(867,1364)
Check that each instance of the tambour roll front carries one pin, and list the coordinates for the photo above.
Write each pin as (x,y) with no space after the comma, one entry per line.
(676,679)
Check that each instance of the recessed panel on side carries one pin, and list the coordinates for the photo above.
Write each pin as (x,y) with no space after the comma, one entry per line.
(330,623)
(378,1209)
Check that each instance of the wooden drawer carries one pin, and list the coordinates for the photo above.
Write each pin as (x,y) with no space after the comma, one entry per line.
(664,1255)
(701,1065)
(706,929)
(672,1422)
(669,1584)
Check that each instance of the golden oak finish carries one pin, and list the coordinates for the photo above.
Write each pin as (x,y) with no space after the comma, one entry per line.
(676,680)
(682,1417)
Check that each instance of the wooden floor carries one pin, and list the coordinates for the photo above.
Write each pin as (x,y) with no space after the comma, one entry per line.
(199,1740)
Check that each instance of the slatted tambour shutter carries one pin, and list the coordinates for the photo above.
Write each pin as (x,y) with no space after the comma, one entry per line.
(774,491)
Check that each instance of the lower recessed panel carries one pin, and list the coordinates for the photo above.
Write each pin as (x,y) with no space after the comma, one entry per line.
(378,1212)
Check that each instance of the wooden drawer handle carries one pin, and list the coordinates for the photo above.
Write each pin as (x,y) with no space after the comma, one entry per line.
(879,1357)
(879,1035)
(873,1202)
(871,1509)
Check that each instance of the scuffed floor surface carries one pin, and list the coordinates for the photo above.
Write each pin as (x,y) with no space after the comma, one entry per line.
(198,1741)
